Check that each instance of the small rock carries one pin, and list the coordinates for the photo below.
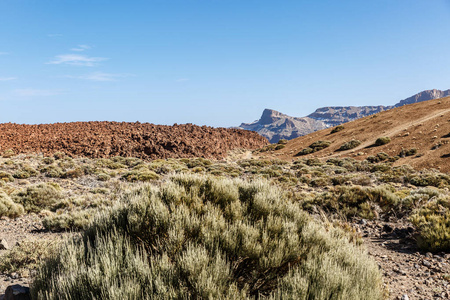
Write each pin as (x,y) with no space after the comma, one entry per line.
(363,222)
(429,255)
(17,292)
(404,297)
(426,263)
(3,245)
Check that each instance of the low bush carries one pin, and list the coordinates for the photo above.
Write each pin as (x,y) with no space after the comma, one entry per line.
(26,256)
(6,177)
(8,207)
(350,145)
(38,197)
(431,179)
(8,153)
(382,141)
(433,223)
(25,172)
(52,171)
(73,221)
(314,147)
(355,201)
(206,238)
(408,152)
(140,175)
(337,129)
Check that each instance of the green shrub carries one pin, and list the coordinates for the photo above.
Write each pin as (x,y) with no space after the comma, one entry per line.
(433,223)
(280,146)
(74,173)
(350,145)
(305,151)
(408,152)
(103,177)
(382,141)
(73,221)
(5,176)
(25,172)
(356,201)
(140,175)
(337,129)
(282,142)
(26,256)
(52,171)
(206,238)
(319,145)
(436,180)
(8,207)
(48,160)
(8,153)
(38,197)
(314,147)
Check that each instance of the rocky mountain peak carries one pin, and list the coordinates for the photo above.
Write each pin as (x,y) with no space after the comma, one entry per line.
(424,96)
(269,116)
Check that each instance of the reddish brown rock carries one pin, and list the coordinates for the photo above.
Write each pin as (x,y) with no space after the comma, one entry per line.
(142,140)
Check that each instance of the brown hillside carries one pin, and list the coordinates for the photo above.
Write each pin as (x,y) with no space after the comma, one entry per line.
(424,126)
(142,140)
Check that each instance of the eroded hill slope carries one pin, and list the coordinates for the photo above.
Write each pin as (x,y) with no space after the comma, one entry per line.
(423,126)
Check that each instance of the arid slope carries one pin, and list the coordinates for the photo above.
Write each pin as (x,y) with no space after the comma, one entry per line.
(424,126)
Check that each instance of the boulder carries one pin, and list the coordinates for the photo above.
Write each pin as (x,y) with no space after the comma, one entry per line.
(17,292)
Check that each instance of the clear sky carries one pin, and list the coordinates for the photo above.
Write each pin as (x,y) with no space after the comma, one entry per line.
(214,62)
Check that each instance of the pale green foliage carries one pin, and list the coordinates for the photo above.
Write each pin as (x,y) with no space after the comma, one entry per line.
(207,238)
(38,197)
(433,222)
(8,207)
(26,256)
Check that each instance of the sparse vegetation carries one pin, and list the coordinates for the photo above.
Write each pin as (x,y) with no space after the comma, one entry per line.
(200,237)
(8,207)
(382,141)
(26,256)
(350,145)
(337,129)
(433,223)
(408,152)
(314,147)
(38,197)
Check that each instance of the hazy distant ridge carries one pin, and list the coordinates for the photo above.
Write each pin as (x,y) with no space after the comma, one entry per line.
(275,125)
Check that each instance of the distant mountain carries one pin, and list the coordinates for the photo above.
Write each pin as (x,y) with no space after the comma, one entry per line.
(275,126)
(424,96)
(335,115)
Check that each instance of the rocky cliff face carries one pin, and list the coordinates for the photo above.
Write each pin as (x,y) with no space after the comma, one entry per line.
(336,115)
(275,126)
(424,96)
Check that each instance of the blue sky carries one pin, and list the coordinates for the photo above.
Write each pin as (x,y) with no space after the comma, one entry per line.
(214,62)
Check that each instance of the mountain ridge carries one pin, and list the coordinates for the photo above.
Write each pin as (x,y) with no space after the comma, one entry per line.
(275,125)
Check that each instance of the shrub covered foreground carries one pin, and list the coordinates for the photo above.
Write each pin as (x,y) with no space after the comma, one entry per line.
(200,237)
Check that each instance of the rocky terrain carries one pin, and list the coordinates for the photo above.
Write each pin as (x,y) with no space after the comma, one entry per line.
(141,140)
(275,126)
